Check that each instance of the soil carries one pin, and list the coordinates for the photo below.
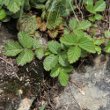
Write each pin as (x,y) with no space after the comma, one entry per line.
(16,82)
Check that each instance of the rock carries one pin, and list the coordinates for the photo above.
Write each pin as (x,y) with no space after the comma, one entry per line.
(89,90)
(25,104)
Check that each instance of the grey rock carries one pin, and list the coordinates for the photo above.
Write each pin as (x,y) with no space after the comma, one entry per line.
(89,90)
(25,104)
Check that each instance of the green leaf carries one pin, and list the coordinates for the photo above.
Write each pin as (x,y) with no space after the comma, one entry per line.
(98,41)
(74,54)
(79,34)
(66,31)
(2,14)
(87,44)
(53,20)
(39,53)
(73,23)
(85,24)
(107,34)
(90,7)
(62,7)
(12,48)
(27,5)
(25,40)
(55,72)
(54,47)
(1,1)
(68,69)
(28,24)
(98,49)
(89,2)
(84,53)
(100,6)
(92,18)
(13,5)
(41,1)
(63,59)
(63,78)
(50,62)
(69,39)
(98,17)
(107,48)
(81,25)
(36,43)
(26,56)
(66,7)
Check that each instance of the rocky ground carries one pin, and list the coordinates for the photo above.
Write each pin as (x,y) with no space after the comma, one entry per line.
(21,88)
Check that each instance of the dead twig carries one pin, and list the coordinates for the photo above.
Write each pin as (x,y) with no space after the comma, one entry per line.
(76,4)
(7,62)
